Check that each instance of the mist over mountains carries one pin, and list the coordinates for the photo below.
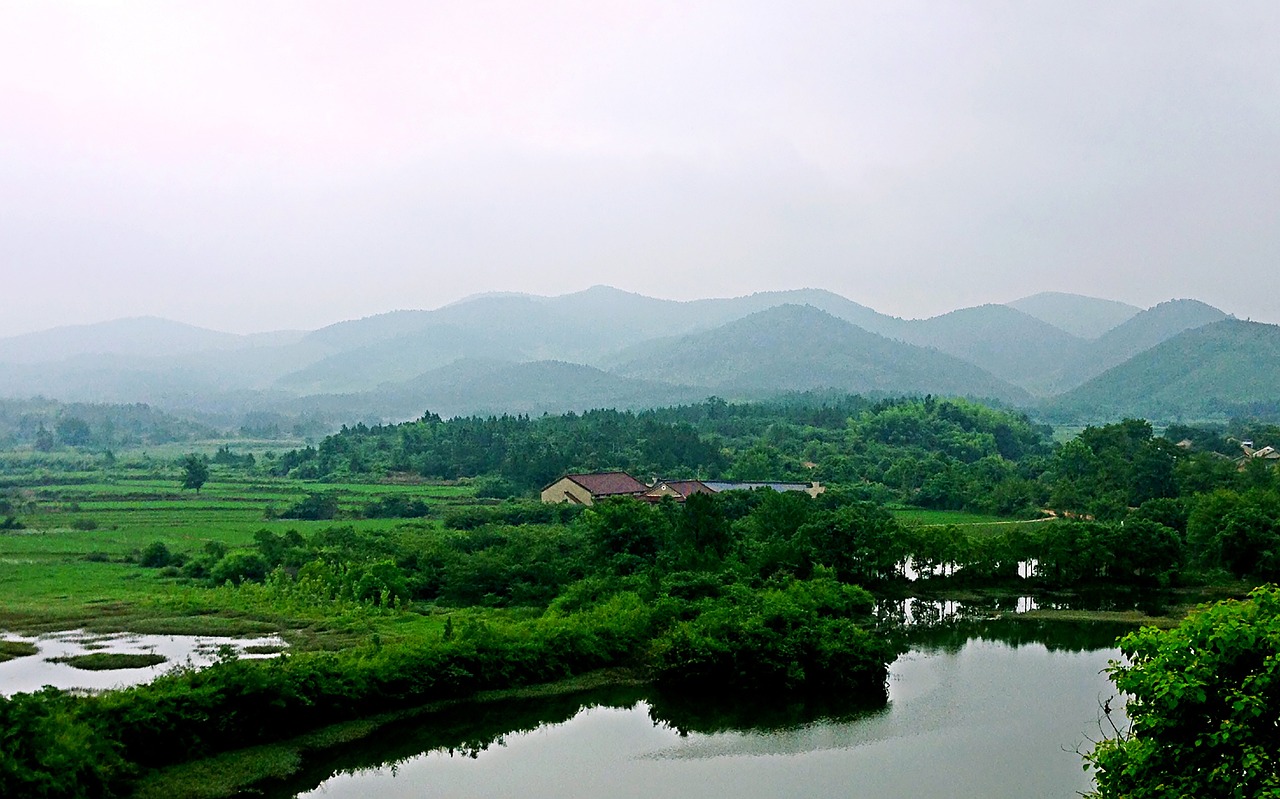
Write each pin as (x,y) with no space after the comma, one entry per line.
(1070,356)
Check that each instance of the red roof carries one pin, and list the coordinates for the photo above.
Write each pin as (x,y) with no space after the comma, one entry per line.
(607,484)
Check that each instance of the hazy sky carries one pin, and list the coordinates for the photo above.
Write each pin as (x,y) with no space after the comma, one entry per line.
(260,165)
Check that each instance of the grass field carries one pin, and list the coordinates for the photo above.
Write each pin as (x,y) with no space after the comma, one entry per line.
(974,523)
(74,563)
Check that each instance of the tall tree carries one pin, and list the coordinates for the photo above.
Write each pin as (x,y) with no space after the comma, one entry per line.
(195,472)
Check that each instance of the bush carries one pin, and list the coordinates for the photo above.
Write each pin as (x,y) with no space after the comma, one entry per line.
(1205,699)
(397,507)
(155,556)
(316,506)
(238,567)
(496,488)
(84,524)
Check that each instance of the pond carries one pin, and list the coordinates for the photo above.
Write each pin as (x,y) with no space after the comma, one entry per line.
(32,672)
(985,709)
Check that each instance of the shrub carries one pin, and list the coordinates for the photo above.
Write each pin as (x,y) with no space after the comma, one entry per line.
(155,556)
(238,567)
(316,506)
(1204,700)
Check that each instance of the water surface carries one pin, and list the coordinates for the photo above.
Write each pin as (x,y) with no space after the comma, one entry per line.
(32,672)
(990,711)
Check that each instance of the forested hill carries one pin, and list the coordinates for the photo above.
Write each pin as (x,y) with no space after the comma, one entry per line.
(941,452)
(1229,366)
(794,347)
(596,348)
(1137,335)
(45,424)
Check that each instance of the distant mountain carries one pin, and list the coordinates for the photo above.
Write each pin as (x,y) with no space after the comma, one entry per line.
(794,348)
(1144,331)
(476,386)
(519,352)
(1006,342)
(140,336)
(1208,371)
(1086,317)
(589,327)
(400,358)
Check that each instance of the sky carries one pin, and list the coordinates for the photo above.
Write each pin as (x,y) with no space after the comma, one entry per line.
(251,166)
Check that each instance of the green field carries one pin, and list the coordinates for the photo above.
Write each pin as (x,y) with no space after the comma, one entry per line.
(980,524)
(75,562)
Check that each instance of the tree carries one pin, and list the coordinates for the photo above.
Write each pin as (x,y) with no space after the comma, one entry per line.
(44,439)
(1203,709)
(195,472)
(73,431)
(860,541)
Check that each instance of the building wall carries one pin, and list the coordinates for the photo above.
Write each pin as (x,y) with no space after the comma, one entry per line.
(565,490)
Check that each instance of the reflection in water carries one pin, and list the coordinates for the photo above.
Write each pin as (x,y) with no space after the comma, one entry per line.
(992,710)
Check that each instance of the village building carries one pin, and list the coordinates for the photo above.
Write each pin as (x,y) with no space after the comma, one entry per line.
(586,489)
(1268,455)
(678,490)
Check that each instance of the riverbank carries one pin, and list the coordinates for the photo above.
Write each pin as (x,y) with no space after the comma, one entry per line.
(232,773)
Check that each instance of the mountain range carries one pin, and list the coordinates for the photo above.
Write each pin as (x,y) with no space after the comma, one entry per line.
(1067,356)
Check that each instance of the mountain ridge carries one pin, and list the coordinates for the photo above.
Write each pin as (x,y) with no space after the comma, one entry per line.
(994,350)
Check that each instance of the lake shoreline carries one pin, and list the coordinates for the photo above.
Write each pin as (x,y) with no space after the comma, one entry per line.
(230,773)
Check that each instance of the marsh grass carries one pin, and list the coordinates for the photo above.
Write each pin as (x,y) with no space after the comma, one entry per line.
(265,649)
(11,650)
(107,661)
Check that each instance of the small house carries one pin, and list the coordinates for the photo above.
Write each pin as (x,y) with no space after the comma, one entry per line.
(586,489)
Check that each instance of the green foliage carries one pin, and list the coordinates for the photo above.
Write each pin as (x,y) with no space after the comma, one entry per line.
(108,661)
(788,635)
(1105,470)
(43,439)
(238,567)
(101,425)
(1238,532)
(9,650)
(195,472)
(860,541)
(315,506)
(225,457)
(1204,704)
(939,453)
(469,517)
(73,431)
(155,556)
(396,507)
(49,748)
